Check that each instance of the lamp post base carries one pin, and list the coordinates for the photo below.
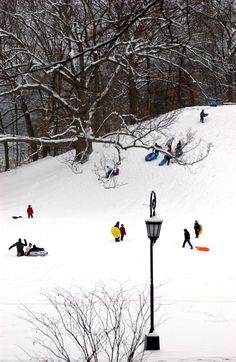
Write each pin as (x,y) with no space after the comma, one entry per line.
(152,342)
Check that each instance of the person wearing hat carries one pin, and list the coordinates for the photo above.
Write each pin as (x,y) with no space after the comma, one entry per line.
(187,239)
(197,228)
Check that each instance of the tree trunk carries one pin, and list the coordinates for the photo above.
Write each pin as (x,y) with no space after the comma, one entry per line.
(6,149)
(30,130)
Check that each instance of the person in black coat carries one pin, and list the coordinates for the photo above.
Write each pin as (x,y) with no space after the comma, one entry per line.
(187,238)
(35,248)
(19,247)
(117,225)
(178,149)
(203,115)
(197,228)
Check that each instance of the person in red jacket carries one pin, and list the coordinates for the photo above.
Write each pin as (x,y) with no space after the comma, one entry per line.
(122,232)
(30,211)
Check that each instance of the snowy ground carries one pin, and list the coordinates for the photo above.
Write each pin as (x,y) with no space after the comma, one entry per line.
(73,218)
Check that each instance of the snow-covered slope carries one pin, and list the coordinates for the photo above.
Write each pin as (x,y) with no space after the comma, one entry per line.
(73,218)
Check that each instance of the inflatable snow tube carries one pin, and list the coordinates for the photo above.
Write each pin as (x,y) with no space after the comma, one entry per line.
(202,248)
(38,253)
(115,231)
(151,156)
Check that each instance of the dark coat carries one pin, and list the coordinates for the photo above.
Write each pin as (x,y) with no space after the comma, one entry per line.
(122,230)
(178,149)
(196,226)
(186,235)
(35,248)
(202,115)
(19,246)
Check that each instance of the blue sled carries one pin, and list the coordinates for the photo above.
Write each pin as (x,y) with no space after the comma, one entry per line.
(151,156)
(163,162)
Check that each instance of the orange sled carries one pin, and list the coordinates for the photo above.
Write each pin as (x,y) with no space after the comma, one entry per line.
(202,248)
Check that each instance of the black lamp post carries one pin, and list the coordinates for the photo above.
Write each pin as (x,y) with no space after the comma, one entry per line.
(153,225)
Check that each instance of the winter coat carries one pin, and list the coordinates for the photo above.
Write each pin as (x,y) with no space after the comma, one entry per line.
(30,211)
(122,230)
(202,115)
(196,226)
(19,246)
(186,235)
(178,149)
(117,225)
(27,250)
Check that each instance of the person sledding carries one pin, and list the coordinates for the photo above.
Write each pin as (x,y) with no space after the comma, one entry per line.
(155,149)
(29,247)
(112,171)
(203,115)
(19,247)
(34,249)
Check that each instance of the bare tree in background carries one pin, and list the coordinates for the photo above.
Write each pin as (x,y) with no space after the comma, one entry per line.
(76,72)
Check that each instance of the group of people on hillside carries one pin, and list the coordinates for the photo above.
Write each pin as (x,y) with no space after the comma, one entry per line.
(20,248)
(177,152)
(197,228)
(21,244)
(122,231)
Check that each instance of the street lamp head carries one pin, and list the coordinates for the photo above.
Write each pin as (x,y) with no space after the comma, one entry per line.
(153,227)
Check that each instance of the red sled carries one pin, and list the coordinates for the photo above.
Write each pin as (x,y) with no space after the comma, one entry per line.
(202,248)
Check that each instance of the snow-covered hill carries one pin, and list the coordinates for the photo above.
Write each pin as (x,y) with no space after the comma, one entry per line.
(73,218)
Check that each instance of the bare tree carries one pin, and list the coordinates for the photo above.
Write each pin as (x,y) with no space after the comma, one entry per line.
(75,66)
(104,324)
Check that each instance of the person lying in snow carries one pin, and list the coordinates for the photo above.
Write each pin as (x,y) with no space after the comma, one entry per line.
(35,248)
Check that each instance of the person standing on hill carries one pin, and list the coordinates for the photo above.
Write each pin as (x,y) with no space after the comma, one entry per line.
(178,150)
(167,157)
(187,239)
(19,247)
(30,211)
(117,225)
(197,228)
(202,116)
(122,232)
